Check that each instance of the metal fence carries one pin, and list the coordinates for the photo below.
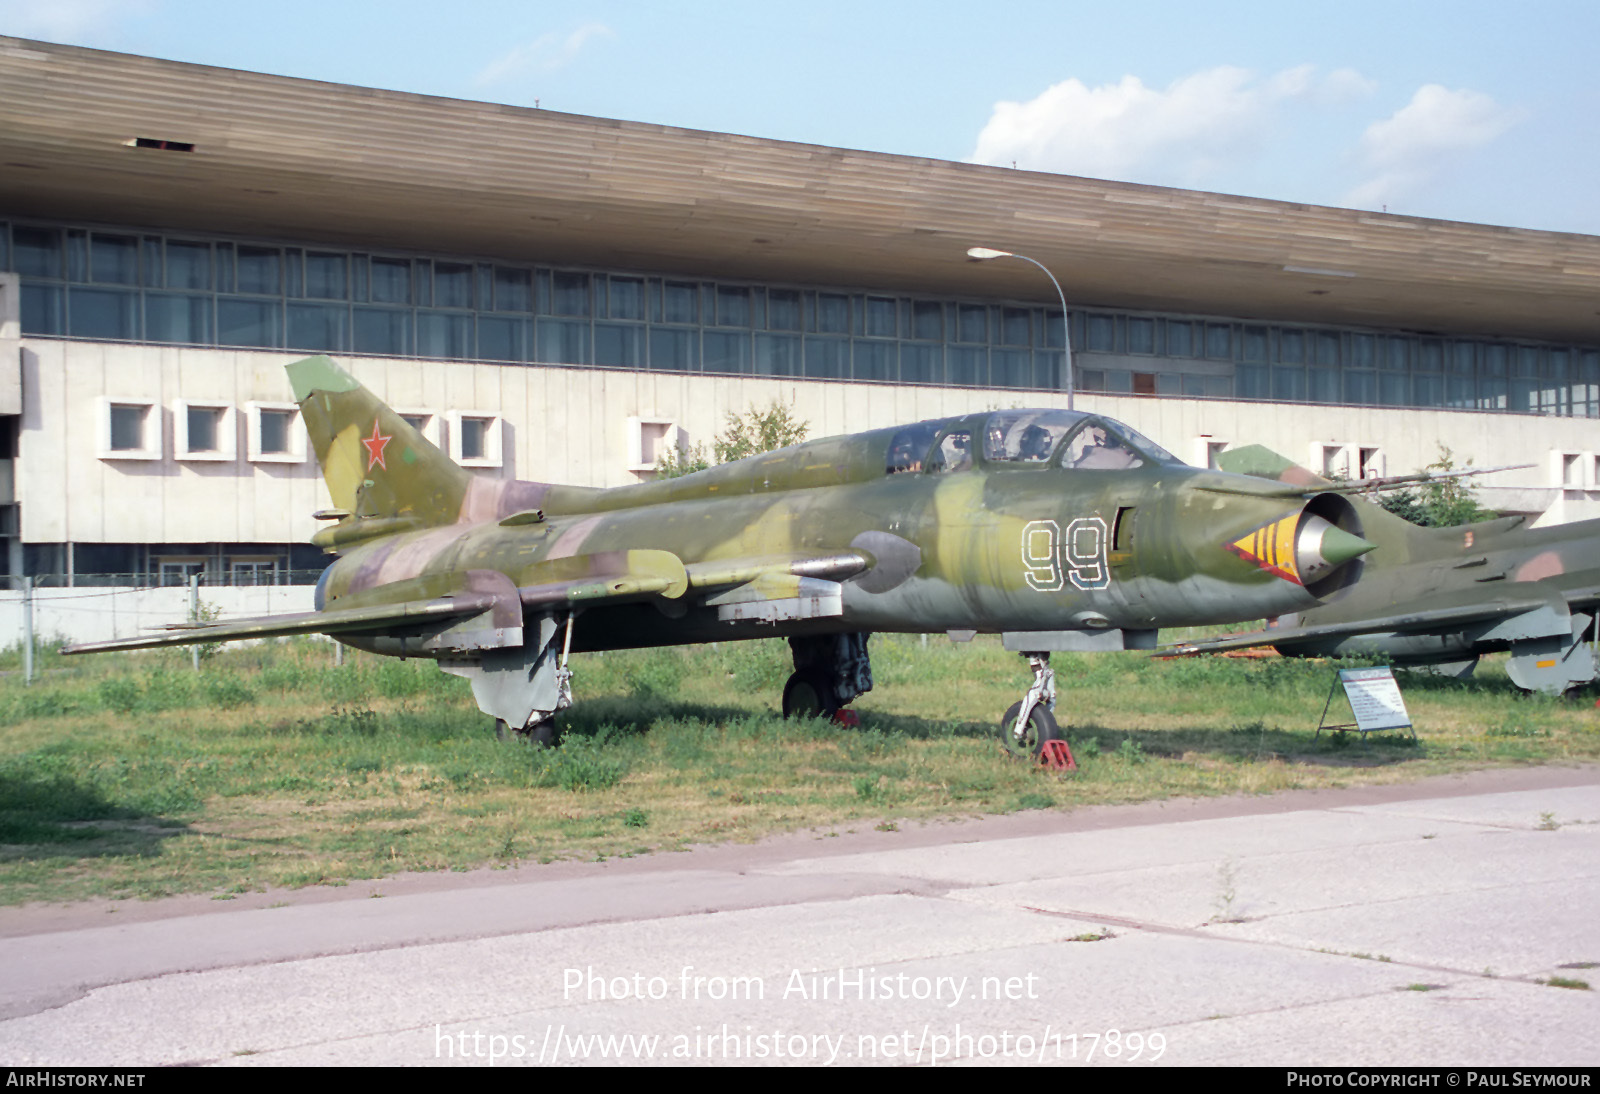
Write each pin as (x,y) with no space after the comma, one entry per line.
(95,613)
(169,580)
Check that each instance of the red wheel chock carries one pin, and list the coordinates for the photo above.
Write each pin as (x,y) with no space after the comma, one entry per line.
(1057,756)
(847,718)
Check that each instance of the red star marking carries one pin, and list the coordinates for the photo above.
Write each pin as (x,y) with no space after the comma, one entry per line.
(375,446)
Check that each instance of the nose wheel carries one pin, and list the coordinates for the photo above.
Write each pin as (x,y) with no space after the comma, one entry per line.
(1026,740)
(1028,725)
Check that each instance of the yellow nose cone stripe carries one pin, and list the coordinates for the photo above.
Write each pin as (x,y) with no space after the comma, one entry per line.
(1272,547)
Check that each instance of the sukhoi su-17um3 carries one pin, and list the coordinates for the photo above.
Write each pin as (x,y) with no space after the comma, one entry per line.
(1058,530)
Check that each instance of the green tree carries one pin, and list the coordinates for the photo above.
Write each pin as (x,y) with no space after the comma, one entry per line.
(1443,503)
(748,434)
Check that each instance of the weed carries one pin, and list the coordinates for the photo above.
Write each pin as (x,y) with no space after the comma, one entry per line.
(228,692)
(887,826)
(580,763)
(1035,800)
(760,666)
(1548,822)
(1131,751)
(1093,936)
(1227,895)
(635,818)
(119,694)
(657,674)
(201,615)
(347,722)
(1567,982)
(165,689)
(1518,725)
(870,789)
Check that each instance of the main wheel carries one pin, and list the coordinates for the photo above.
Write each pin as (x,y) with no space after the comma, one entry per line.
(1027,741)
(541,733)
(809,694)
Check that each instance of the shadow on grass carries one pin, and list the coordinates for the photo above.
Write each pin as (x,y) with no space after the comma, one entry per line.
(620,716)
(55,816)
(1253,743)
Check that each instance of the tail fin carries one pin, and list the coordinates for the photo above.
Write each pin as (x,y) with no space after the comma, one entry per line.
(375,464)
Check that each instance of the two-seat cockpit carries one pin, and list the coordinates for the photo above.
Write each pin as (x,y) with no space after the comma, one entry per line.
(1022,439)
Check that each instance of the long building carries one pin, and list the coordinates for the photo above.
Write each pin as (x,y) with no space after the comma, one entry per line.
(560,298)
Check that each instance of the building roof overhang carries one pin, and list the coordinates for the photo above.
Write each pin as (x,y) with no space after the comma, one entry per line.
(283,158)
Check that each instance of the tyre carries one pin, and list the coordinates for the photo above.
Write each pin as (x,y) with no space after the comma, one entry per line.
(542,734)
(809,694)
(1029,741)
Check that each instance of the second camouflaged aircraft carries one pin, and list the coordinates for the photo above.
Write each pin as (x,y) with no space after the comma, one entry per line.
(1058,530)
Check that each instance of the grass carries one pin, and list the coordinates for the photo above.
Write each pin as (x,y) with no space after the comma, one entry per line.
(133,776)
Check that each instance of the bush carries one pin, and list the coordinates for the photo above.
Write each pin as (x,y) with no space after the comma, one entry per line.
(757,666)
(657,674)
(580,763)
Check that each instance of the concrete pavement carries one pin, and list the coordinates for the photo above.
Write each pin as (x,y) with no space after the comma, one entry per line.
(1386,926)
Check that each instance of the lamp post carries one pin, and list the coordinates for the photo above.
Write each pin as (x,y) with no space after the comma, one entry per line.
(984,254)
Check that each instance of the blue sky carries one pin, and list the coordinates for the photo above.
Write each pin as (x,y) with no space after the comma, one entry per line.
(1460,110)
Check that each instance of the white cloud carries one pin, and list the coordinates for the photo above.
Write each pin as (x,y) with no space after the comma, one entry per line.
(1434,131)
(1183,135)
(546,53)
(73,21)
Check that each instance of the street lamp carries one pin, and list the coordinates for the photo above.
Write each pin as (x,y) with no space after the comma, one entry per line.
(984,254)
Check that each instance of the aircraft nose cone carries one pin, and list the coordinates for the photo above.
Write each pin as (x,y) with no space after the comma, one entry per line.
(1322,547)
(1340,546)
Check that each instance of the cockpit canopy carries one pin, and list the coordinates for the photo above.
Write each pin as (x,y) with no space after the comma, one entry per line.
(1020,439)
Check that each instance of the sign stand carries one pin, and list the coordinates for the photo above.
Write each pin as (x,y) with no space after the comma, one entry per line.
(1374,701)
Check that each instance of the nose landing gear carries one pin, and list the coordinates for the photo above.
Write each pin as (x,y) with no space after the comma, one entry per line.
(1027,726)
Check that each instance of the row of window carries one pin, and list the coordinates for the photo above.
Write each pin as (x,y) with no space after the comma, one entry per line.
(134,286)
(156,263)
(205,431)
(1248,344)
(133,316)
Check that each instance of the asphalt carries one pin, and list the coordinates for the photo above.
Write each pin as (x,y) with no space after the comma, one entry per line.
(1419,925)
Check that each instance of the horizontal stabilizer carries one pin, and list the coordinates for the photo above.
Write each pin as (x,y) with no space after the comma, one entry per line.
(1269,489)
(1410,622)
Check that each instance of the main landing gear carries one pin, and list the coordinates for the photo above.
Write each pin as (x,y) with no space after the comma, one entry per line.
(830,671)
(523,687)
(1027,725)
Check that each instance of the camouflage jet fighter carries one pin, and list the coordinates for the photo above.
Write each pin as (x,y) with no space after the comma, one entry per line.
(1441,597)
(1058,530)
